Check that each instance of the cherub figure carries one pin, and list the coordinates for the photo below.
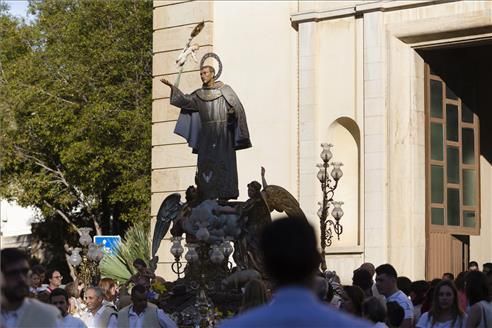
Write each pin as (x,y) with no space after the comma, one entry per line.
(143,276)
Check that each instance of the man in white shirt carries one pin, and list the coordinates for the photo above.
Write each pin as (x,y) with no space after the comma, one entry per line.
(141,314)
(98,315)
(59,298)
(386,277)
(17,310)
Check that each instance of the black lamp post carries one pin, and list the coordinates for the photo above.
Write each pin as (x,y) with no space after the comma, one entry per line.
(328,187)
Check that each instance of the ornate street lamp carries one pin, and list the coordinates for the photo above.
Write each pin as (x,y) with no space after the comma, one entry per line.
(177,250)
(328,187)
(87,265)
(202,254)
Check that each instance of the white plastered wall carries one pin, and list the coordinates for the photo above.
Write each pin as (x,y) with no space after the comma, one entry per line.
(392,125)
(258,49)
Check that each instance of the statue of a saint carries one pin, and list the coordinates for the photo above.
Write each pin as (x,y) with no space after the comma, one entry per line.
(213,122)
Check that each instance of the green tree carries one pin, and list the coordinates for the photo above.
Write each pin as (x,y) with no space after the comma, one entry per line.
(75,112)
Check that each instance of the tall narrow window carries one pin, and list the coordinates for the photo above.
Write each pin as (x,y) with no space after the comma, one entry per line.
(452,165)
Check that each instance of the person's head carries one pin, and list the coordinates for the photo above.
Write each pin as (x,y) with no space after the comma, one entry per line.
(352,300)
(109,289)
(374,309)
(362,278)
(369,267)
(487,267)
(139,298)
(290,252)
(35,280)
(72,289)
(15,270)
(476,287)
(404,284)
(37,275)
(93,298)
(59,298)
(395,314)
(386,279)
(254,295)
(40,271)
(418,290)
(54,278)
(448,276)
(44,296)
(435,282)
(207,74)
(140,265)
(459,282)
(254,189)
(445,300)
(473,266)
(191,194)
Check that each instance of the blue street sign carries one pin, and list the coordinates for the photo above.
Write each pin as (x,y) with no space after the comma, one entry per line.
(110,243)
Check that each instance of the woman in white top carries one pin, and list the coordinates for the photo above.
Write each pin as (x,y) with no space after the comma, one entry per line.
(445,311)
(479,292)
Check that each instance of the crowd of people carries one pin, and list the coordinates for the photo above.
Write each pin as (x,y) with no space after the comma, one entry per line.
(27,302)
(302,296)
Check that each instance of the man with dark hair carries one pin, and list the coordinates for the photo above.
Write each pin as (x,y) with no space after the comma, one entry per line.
(141,313)
(404,284)
(386,282)
(473,266)
(487,267)
(291,259)
(59,298)
(448,276)
(17,309)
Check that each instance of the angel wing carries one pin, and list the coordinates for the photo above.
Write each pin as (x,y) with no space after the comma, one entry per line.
(281,200)
(169,210)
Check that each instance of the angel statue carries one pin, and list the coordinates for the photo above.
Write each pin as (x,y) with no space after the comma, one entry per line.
(255,215)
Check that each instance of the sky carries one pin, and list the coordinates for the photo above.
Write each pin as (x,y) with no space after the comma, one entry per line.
(18,7)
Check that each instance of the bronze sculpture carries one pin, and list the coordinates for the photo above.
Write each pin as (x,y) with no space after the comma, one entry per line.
(213,122)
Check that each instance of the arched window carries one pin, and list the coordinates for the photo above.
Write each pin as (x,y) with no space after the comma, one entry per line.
(344,134)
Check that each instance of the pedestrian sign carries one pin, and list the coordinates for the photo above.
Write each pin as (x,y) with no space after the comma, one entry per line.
(110,243)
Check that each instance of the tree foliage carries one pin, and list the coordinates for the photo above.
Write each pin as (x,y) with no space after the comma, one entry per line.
(75,111)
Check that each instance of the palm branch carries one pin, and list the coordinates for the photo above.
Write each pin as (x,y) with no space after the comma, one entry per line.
(135,244)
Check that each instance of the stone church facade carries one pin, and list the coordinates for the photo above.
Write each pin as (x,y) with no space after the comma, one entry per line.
(399,87)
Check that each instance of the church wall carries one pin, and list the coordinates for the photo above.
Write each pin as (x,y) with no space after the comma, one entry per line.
(481,246)
(257,46)
(173,165)
(392,124)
